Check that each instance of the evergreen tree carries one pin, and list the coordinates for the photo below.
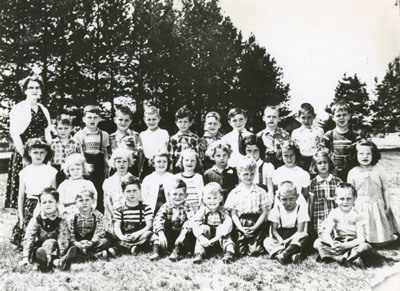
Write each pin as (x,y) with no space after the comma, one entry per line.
(387,106)
(353,92)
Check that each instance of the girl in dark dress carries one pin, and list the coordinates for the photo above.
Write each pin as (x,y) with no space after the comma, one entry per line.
(28,119)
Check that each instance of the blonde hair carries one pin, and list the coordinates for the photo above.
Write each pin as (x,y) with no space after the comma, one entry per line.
(287,187)
(212,188)
(189,152)
(75,159)
(120,153)
(246,163)
(151,110)
(212,148)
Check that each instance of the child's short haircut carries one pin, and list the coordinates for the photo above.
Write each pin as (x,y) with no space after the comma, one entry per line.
(320,154)
(150,110)
(340,106)
(376,155)
(254,140)
(184,112)
(64,119)
(212,188)
(178,184)
(92,109)
(130,180)
(189,152)
(50,191)
(246,164)
(272,107)
(214,146)
(37,143)
(289,145)
(348,186)
(85,190)
(120,153)
(306,108)
(214,115)
(235,111)
(287,187)
(161,154)
(75,159)
(124,110)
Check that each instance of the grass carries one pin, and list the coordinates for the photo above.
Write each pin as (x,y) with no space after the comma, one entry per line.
(138,273)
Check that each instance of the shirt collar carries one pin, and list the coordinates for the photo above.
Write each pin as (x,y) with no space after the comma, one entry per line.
(259,162)
(96,132)
(207,210)
(320,179)
(53,217)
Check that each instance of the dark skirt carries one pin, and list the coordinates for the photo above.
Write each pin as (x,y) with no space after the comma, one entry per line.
(18,233)
(14,167)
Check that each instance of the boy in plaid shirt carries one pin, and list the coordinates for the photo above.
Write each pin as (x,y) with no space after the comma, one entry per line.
(63,145)
(183,139)
(171,224)
(272,136)
(250,207)
(212,226)
(87,227)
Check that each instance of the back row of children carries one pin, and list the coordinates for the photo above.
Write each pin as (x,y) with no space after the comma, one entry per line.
(148,155)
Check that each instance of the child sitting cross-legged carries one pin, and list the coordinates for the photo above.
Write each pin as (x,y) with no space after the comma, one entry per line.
(171,224)
(132,221)
(87,227)
(343,239)
(212,226)
(47,235)
(250,206)
(288,223)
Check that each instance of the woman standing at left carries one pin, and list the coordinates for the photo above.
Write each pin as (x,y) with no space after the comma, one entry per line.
(28,119)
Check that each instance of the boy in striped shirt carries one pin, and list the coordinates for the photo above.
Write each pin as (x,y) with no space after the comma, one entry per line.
(133,221)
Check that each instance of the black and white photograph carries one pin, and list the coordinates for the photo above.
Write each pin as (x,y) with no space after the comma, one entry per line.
(199,145)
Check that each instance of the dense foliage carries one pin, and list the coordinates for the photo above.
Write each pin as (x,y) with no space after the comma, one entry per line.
(154,51)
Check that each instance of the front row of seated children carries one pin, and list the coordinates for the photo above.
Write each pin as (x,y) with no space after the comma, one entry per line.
(238,228)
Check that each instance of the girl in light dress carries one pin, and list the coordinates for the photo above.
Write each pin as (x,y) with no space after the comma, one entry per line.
(373,198)
(120,161)
(32,180)
(190,163)
(155,186)
(75,168)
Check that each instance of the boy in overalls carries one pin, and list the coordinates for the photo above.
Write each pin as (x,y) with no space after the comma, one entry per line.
(288,219)
(94,145)
(133,221)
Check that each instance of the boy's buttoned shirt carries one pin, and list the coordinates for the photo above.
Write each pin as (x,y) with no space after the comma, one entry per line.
(219,218)
(308,139)
(247,200)
(180,142)
(154,141)
(232,138)
(288,219)
(272,139)
(179,217)
(35,231)
(83,225)
(62,150)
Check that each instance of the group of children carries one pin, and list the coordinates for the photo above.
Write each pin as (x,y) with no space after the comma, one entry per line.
(240,193)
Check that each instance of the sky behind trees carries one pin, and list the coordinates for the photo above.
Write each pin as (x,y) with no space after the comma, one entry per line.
(316,42)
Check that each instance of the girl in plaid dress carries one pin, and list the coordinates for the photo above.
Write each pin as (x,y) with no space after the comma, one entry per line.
(322,190)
